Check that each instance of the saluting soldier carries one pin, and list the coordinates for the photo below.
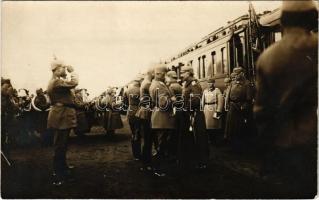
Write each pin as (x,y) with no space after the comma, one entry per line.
(176,90)
(194,138)
(162,120)
(213,103)
(132,96)
(144,115)
(62,115)
(286,100)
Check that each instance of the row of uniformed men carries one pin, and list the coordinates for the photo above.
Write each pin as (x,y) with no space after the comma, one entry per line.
(171,116)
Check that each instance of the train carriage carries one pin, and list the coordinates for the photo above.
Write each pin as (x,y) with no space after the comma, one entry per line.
(239,43)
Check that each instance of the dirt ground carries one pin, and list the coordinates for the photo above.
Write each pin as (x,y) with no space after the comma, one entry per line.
(105,169)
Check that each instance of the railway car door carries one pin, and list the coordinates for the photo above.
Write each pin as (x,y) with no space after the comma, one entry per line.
(237,51)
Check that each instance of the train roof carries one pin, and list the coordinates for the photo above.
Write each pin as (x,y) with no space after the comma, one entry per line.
(271,19)
(267,19)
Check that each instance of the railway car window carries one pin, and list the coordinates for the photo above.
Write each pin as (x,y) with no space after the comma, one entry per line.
(224,61)
(203,67)
(219,64)
(213,65)
(198,68)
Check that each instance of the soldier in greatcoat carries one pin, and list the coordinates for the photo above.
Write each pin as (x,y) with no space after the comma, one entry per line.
(162,120)
(286,100)
(132,99)
(176,90)
(193,147)
(144,115)
(240,101)
(62,115)
(213,103)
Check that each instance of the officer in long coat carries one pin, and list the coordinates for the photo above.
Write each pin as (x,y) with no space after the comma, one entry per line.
(213,103)
(240,101)
(162,120)
(286,100)
(144,113)
(176,90)
(132,97)
(194,139)
(62,115)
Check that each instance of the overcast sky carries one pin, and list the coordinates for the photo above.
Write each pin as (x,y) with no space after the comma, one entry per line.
(108,43)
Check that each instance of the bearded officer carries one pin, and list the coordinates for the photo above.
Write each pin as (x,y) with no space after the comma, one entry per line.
(286,100)
(194,138)
(62,115)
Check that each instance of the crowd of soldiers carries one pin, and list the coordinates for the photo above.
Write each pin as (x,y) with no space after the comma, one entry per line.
(172,118)
(179,121)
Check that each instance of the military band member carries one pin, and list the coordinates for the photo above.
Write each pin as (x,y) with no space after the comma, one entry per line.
(41,106)
(194,138)
(286,100)
(144,115)
(162,120)
(213,103)
(62,115)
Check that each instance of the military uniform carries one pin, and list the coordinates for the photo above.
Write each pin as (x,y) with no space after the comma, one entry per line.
(41,105)
(286,100)
(144,115)
(82,123)
(176,90)
(193,145)
(132,95)
(213,102)
(162,120)
(8,121)
(112,118)
(61,118)
(240,101)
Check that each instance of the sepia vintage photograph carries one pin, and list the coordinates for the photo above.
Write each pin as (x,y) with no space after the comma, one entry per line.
(159,99)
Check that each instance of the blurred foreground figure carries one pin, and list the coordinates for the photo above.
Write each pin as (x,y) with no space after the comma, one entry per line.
(286,99)
(62,115)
